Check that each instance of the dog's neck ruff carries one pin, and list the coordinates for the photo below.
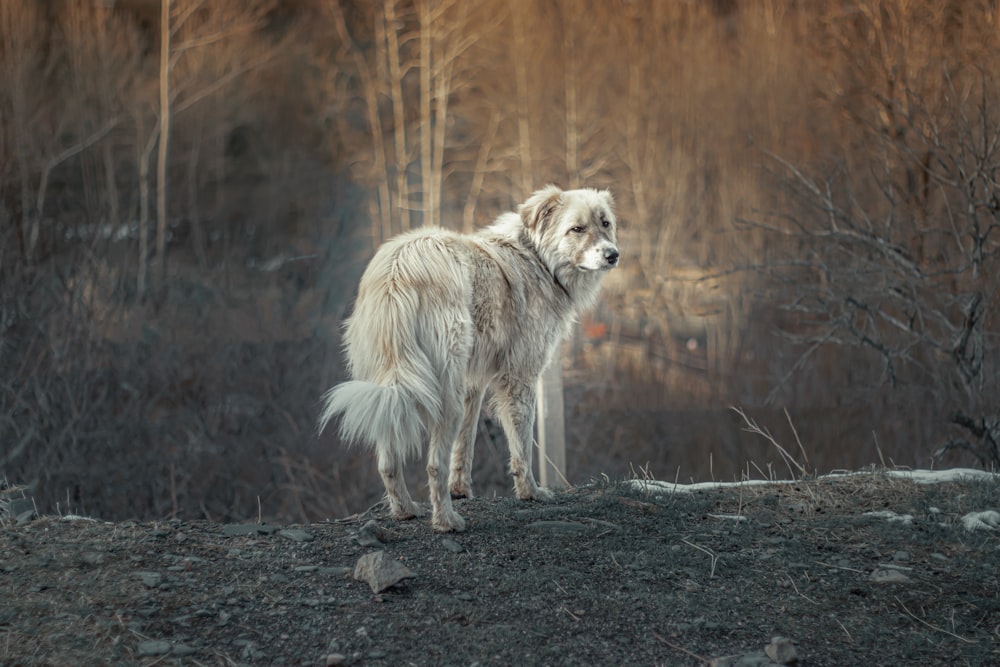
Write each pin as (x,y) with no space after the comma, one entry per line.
(529,243)
(558,282)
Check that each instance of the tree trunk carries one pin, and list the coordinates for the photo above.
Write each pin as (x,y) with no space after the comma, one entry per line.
(160,266)
(523,109)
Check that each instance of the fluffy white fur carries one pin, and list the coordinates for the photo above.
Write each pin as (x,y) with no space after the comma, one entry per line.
(442,317)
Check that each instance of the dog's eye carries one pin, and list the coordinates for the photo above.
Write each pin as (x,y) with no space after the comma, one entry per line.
(604,221)
(578,230)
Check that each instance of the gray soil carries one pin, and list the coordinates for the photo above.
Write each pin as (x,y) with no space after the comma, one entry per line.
(605,575)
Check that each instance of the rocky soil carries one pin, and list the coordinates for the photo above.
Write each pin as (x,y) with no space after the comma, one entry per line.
(857,571)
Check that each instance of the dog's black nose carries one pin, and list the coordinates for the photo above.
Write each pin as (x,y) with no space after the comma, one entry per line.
(611,255)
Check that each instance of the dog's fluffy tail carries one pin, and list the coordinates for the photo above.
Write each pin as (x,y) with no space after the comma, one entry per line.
(373,414)
(399,391)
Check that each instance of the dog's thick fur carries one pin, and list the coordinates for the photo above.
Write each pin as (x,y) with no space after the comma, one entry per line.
(441,317)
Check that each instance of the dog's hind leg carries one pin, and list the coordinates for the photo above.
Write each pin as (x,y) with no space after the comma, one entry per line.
(463,451)
(390,467)
(515,406)
(444,517)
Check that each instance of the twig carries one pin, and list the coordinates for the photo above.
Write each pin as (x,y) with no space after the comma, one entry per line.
(878,448)
(797,591)
(805,457)
(849,637)
(569,613)
(933,627)
(838,567)
(713,556)
(683,650)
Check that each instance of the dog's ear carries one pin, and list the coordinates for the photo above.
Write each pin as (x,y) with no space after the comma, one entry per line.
(609,198)
(540,207)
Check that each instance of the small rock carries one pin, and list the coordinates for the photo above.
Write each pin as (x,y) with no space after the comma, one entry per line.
(560,527)
(182,650)
(782,651)
(380,571)
(888,576)
(153,647)
(452,546)
(151,579)
(306,568)
(335,571)
(22,509)
(297,535)
(239,529)
(901,556)
(371,535)
(988,520)
(754,659)
(333,659)
(92,557)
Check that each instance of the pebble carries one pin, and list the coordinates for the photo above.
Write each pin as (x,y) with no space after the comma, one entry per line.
(887,576)
(452,546)
(333,659)
(782,651)
(92,557)
(239,529)
(371,535)
(150,579)
(297,535)
(754,659)
(153,647)
(558,527)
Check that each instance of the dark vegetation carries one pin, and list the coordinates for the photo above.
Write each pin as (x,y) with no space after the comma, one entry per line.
(174,268)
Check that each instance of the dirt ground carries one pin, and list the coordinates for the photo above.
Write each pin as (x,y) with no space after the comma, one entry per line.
(605,575)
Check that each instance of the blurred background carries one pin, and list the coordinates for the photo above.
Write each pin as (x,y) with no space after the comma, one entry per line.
(189,191)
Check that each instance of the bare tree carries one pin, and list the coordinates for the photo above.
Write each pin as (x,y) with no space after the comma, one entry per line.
(43,134)
(419,47)
(199,57)
(907,273)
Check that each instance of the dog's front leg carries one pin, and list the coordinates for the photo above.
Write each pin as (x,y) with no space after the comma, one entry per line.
(515,406)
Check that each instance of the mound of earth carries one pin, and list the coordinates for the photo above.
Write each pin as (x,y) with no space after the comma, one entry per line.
(854,571)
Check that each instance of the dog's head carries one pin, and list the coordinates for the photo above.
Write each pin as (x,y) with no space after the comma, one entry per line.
(572,229)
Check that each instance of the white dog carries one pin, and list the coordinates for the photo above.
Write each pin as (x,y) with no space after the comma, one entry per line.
(440,317)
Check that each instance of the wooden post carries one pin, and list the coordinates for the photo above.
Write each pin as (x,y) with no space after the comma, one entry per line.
(551,427)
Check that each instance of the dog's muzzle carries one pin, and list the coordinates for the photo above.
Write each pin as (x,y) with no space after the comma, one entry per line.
(611,256)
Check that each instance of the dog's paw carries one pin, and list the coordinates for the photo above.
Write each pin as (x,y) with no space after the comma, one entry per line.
(405,511)
(539,493)
(447,522)
(460,491)
(544,495)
